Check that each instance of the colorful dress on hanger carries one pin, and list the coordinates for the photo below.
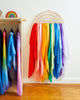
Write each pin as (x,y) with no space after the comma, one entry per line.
(1,57)
(19,74)
(5,81)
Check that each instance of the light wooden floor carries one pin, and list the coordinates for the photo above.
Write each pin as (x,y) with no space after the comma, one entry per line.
(46,92)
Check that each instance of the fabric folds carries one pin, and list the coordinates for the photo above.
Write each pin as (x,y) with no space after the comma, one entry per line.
(5,81)
(19,74)
(44,50)
(50,51)
(57,52)
(33,49)
(47,59)
(11,55)
(1,59)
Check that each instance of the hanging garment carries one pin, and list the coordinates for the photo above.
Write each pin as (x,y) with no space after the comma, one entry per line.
(62,42)
(46,64)
(57,52)
(19,79)
(4,67)
(11,55)
(65,50)
(50,53)
(38,63)
(33,49)
(1,55)
(40,56)
(43,47)
(51,61)
(53,44)
(66,43)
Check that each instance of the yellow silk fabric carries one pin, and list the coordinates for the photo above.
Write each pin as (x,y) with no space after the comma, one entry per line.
(44,50)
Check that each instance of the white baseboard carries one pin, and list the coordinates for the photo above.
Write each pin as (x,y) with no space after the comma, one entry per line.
(65,80)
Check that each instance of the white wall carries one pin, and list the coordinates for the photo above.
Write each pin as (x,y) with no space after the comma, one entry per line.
(69,10)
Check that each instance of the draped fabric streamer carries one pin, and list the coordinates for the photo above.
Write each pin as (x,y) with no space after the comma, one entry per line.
(38,72)
(48,51)
(66,43)
(43,47)
(57,52)
(62,41)
(46,64)
(11,51)
(11,55)
(1,55)
(11,59)
(40,57)
(5,81)
(33,49)
(19,79)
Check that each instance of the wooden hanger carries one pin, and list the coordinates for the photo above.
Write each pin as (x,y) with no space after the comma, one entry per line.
(49,15)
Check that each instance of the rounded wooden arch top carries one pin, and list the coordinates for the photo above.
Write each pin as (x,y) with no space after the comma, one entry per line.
(48,17)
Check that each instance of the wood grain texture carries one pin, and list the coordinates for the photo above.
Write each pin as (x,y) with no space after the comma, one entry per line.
(46,92)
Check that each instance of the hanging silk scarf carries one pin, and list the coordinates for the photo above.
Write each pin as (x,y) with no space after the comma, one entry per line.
(19,79)
(53,44)
(50,53)
(51,61)
(43,46)
(11,51)
(33,49)
(46,64)
(11,55)
(48,56)
(66,44)
(4,67)
(40,56)
(38,63)
(1,55)
(66,51)
(62,42)
(57,51)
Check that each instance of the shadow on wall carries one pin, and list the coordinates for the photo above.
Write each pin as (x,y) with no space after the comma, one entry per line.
(26,50)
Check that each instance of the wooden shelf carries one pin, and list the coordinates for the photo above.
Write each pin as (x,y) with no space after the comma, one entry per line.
(12,19)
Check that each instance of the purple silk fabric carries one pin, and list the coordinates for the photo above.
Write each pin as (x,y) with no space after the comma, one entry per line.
(62,41)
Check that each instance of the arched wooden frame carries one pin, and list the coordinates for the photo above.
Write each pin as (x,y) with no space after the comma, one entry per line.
(48,17)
